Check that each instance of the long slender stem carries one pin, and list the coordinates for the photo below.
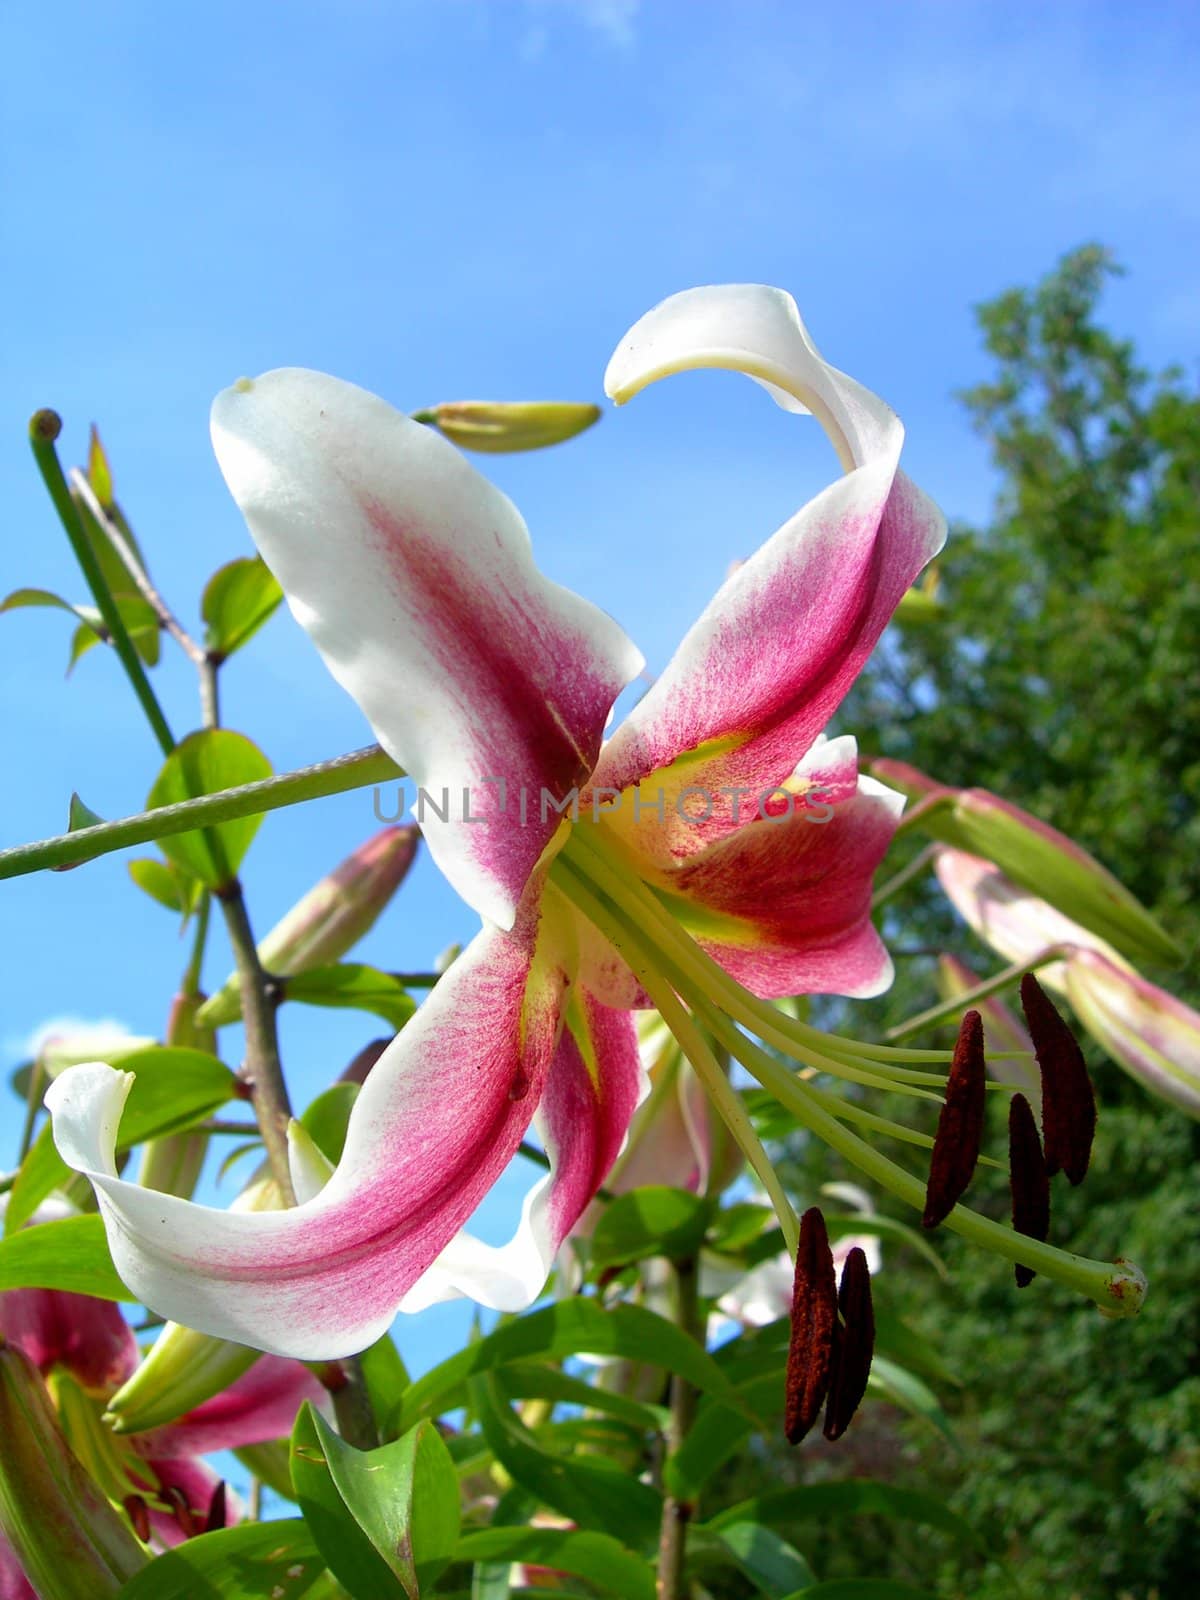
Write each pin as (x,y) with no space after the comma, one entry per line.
(676,1513)
(128,558)
(960,1002)
(914,869)
(44,429)
(358,770)
(269,1094)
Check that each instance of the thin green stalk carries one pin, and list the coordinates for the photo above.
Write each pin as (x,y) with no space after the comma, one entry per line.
(677,1514)
(44,429)
(905,876)
(358,770)
(960,1002)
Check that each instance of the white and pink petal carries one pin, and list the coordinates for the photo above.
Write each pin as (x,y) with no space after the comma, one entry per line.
(415,578)
(436,1122)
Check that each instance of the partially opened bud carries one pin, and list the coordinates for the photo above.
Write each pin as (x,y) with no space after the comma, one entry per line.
(1038,858)
(331,918)
(500,426)
(1155,1037)
(71,1543)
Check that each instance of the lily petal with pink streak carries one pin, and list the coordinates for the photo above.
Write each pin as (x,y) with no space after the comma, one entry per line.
(415,578)
(762,671)
(434,1126)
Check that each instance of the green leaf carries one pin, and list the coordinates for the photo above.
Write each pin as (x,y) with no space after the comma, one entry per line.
(355,986)
(595,1557)
(527,1380)
(70,1253)
(894,1338)
(271,1463)
(204,763)
(248,1562)
(237,600)
(326,1118)
(385,1375)
(167,884)
(99,474)
(80,815)
(21,598)
(173,1089)
(776,1569)
(141,624)
(906,1390)
(386,1520)
(571,1327)
(887,1228)
(826,1502)
(654,1221)
(735,1228)
(591,1491)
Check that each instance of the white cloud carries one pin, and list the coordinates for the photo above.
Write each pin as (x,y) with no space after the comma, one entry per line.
(613,20)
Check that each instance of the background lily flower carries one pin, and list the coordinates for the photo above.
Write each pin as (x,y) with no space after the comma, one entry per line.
(491,686)
(1154,1036)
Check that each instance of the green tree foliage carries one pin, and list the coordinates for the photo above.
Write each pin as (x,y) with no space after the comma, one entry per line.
(1063,672)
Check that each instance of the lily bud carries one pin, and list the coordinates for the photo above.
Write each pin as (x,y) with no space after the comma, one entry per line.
(184,1368)
(333,916)
(173,1165)
(498,426)
(70,1541)
(103,1041)
(1155,1037)
(1038,858)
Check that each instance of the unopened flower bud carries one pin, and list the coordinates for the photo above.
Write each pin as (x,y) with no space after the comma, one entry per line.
(173,1165)
(1038,858)
(70,1541)
(331,918)
(500,426)
(1155,1037)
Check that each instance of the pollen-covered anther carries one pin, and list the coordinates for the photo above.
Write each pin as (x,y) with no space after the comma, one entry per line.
(814,1328)
(1028,1178)
(960,1125)
(1068,1100)
(853,1347)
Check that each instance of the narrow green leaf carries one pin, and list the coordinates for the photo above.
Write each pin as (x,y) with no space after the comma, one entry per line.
(237,600)
(591,1491)
(384,1374)
(886,1228)
(70,1253)
(99,474)
(527,1380)
(905,1389)
(773,1566)
(595,1557)
(248,1562)
(205,762)
(357,987)
(571,1327)
(163,882)
(651,1221)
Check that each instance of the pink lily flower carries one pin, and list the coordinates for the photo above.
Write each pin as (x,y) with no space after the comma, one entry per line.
(712,848)
(85,1346)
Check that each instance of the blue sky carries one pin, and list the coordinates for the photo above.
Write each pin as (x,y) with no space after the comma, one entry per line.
(460,199)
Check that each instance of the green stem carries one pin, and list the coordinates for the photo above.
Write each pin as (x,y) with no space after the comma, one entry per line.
(44,428)
(905,876)
(676,1513)
(358,770)
(189,984)
(33,1101)
(269,1094)
(961,1002)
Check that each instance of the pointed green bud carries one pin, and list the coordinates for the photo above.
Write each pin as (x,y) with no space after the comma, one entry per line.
(70,1541)
(1036,856)
(333,916)
(498,426)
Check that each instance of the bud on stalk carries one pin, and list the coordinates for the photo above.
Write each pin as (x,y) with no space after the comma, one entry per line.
(71,1543)
(331,917)
(173,1165)
(500,426)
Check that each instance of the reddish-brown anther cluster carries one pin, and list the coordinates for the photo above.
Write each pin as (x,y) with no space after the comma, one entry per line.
(827,1358)
(1029,1180)
(1068,1101)
(960,1125)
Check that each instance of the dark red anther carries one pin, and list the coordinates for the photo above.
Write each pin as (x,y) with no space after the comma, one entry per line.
(1029,1180)
(181,1510)
(854,1347)
(814,1328)
(1068,1100)
(138,1513)
(217,1509)
(960,1125)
